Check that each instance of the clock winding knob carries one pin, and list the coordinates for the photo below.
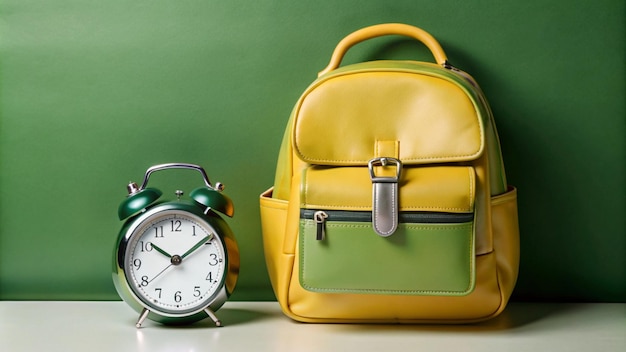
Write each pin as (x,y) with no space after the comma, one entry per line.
(132,188)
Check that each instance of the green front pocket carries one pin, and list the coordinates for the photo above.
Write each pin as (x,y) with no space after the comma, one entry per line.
(429,254)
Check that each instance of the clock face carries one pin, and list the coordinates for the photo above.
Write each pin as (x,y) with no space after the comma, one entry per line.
(175,263)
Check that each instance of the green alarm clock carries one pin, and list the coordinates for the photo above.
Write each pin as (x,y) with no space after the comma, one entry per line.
(177,261)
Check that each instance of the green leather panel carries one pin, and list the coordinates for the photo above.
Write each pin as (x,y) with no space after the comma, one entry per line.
(428,259)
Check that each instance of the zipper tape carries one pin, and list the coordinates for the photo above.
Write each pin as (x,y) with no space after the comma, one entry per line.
(403,217)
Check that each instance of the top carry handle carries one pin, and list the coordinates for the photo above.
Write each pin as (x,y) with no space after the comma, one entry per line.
(381,30)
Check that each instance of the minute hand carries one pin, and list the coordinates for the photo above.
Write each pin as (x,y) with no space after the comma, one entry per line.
(197,245)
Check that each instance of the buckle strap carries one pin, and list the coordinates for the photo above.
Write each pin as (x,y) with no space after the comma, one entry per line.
(385,196)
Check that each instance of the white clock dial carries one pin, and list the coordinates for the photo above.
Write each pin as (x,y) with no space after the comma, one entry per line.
(175,263)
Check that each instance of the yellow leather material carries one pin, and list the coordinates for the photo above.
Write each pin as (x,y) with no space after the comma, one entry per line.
(330,129)
(387,149)
(506,238)
(448,189)
(274,218)
(438,123)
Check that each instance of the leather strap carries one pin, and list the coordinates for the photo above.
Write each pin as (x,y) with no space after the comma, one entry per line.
(385,196)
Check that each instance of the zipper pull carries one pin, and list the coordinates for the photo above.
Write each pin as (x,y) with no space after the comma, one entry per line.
(320,219)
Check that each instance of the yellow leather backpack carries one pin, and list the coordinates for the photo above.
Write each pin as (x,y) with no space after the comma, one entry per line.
(390,202)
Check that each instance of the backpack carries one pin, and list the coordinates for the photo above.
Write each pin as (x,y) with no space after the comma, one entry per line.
(390,202)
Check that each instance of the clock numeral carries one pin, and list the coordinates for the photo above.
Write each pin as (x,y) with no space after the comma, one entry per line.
(146,246)
(209,277)
(158,231)
(144,281)
(177,297)
(158,290)
(214,261)
(137,264)
(176,224)
(193,230)
(196,291)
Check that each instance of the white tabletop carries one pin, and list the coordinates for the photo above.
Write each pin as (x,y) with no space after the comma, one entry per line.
(260,326)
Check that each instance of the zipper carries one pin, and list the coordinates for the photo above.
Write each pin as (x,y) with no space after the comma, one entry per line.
(320,219)
(322,216)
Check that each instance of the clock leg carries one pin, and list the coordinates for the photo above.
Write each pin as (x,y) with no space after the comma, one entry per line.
(142,317)
(211,314)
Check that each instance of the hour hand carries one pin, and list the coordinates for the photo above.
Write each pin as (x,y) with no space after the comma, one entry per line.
(158,249)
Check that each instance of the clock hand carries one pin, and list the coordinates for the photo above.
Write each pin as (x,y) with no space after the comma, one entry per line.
(197,245)
(161,251)
(176,260)
(162,271)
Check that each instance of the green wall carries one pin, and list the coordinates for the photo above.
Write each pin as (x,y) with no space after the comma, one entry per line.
(93,92)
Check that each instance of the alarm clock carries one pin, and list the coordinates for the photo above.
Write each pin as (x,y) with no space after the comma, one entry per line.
(176,261)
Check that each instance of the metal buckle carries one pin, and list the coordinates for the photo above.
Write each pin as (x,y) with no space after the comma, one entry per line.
(384,162)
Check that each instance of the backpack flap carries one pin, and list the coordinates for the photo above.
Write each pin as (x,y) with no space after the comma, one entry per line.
(342,116)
